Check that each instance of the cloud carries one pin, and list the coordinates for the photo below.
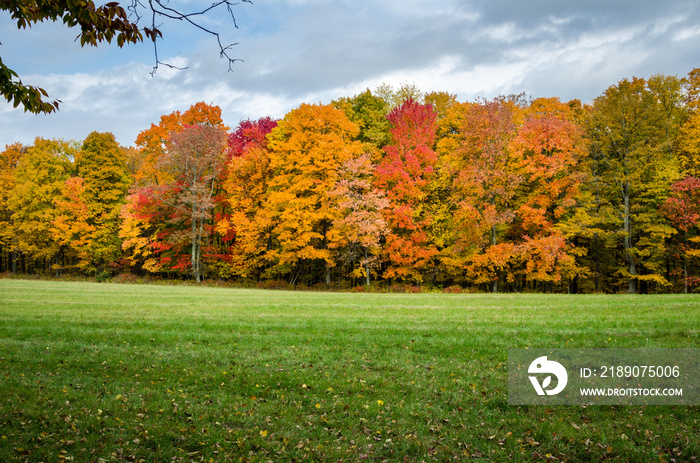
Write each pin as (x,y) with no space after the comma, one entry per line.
(296,51)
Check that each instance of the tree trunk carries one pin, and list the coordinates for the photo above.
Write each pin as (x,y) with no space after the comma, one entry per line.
(632,288)
(366,268)
(195,242)
(295,276)
(685,264)
(328,274)
(494,284)
(597,263)
(199,249)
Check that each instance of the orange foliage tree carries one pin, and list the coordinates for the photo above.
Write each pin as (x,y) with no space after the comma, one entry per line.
(362,223)
(194,159)
(246,189)
(549,146)
(153,142)
(71,227)
(484,189)
(307,149)
(152,237)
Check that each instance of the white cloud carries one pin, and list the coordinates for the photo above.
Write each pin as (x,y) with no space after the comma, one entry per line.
(686,33)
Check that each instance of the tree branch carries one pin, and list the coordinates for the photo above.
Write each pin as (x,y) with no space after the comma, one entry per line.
(100,24)
(159,8)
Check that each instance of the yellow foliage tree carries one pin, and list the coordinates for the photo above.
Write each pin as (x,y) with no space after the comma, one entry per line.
(307,149)
(246,188)
(9,159)
(39,178)
(71,227)
(690,132)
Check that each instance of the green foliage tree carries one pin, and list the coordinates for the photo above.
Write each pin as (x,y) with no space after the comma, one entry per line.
(101,163)
(396,97)
(97,24)
(629,130)
(368,111)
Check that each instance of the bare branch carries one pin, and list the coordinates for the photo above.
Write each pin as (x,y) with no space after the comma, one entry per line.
(160,9)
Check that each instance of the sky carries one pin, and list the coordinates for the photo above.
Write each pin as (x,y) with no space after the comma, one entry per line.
(311,51)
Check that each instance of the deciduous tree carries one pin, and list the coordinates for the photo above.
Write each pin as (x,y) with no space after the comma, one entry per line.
(307,148)
(396,97)
(194,160)
(361,224)
(485,186)
(72,227)
(683,210)
(404,173)
(145,231)
(690,132)
(101,164)
(246,191)
(99,24)
(152,235)
(627,132)
(549,146)
(9,160)
(39,179)
(368,111)
(153,142)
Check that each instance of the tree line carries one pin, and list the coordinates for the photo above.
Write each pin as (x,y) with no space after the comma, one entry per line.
(388,186)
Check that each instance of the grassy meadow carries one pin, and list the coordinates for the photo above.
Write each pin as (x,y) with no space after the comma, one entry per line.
(106,372)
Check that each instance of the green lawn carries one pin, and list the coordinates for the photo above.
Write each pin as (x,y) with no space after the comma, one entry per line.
(107,372)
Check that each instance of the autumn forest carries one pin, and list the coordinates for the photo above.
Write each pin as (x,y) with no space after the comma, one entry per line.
(390,188)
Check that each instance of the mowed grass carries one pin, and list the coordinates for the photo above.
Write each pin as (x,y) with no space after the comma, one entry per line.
(103,372)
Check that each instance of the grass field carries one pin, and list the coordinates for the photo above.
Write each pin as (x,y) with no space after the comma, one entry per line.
(106,372)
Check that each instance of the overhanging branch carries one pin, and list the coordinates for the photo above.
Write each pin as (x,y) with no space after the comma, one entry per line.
(160,9)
